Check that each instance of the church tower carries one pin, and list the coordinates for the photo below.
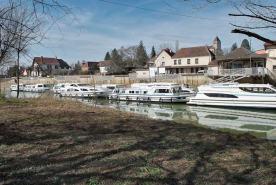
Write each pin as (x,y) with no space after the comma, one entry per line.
(217,46)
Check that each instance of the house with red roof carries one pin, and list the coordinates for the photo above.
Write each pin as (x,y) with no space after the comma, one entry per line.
(43,66)
(186,60)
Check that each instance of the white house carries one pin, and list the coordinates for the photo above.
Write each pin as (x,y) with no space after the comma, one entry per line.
(270,50)
(186,60)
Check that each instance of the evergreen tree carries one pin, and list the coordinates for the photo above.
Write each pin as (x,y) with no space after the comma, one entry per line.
(153,53)
(116,58)
(234,47)
(107,56)
(141,55)
(245,44)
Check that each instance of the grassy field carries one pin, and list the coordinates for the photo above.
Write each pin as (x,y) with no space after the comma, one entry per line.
(47,141)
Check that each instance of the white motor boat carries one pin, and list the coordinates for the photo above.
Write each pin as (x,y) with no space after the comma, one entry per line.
(185,89)
(37,88)
(150,94)
(14,87)
(111,87)
(236,95)
(61,87)
(84,92)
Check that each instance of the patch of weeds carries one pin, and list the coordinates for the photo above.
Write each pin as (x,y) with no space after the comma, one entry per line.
(93,181)
(124,183)
(175,153)
(117,173)
(152,172)
(273,153)
(238,177)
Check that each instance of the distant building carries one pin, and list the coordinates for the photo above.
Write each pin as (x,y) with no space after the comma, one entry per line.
(216,47)
(43,66)
(88,65)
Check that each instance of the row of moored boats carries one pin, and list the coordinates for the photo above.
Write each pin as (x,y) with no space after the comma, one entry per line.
(231,94)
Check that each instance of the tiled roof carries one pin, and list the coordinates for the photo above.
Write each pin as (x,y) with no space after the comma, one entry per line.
(62,63)
(104,63)
(46,61)
(153,59)
(51,61)
(193,52)
(241,53)
(169,51)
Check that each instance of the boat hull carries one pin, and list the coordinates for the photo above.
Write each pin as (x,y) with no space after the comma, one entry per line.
(146,98)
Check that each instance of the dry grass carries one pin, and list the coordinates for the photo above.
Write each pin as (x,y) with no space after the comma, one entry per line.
(46,141)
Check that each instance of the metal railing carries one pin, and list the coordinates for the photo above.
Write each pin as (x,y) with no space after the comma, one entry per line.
(243,71)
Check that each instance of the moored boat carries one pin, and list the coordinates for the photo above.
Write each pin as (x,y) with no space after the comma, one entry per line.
(37,88)
(150,94)
(84,92)
(14,87)
(236,95)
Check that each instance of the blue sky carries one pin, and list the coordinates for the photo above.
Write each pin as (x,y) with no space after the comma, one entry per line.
(107,26)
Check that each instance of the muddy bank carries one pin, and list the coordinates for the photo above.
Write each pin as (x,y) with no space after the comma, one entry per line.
(46,141)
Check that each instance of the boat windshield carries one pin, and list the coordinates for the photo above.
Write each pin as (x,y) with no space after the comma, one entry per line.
(83,85)
(259,89)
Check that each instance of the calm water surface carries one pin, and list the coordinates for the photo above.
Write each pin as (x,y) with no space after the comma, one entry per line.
(260,123)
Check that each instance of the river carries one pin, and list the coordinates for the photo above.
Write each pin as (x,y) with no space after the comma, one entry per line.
(258,122)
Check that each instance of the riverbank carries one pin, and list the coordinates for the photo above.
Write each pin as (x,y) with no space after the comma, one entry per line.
(47,141)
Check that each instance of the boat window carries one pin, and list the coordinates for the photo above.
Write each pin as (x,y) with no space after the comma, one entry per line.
(218,95)
(145,92)
(162,91)
(40,86)
(84,89)
(123,91)
(258,89)
(73,85)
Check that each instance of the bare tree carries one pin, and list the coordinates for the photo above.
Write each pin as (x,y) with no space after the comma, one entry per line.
(256,14)
(226,50)
(129,55)
(164,46)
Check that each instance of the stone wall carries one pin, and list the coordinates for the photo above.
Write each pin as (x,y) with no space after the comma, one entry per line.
(192,80)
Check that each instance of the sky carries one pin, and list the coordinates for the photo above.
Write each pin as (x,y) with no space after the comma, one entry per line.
(108,24)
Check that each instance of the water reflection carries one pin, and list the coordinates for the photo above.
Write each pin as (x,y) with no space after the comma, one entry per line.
(260,123)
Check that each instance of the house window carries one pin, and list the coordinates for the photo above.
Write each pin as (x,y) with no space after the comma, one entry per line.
(274,67)
(175,62)
(196,61)
(56,66)
(49,66)
(179,61)
(188,61)
(163,64)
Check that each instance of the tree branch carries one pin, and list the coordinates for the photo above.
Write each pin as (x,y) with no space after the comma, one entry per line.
(251,34)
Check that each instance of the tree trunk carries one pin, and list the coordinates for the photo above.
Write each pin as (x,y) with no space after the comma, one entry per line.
(18,73)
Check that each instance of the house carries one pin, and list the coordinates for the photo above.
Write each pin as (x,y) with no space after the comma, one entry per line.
(237,60)
(185,60)
(88,65)
(270,51)
(191,60)
(43,66)
(107,67)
